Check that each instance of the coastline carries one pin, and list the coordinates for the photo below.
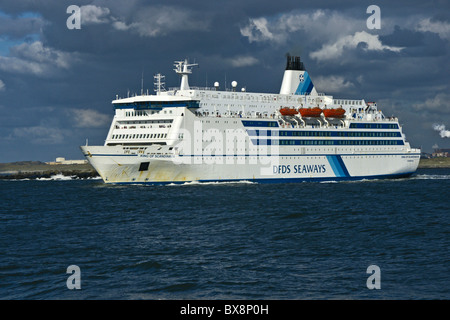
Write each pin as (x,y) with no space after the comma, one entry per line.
(37,169)
(438,162)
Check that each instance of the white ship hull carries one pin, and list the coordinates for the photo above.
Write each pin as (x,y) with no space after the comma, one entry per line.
(114,168)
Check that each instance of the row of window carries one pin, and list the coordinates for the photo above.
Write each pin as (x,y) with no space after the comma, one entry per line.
(157,104)
(328,142)
(143,127)
(345,102)
(146,122)
(247,123)
(323,133)
(140,136)
(142,113)
(373,126)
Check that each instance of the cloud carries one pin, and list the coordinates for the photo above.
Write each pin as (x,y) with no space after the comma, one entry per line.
(157,21)
(88,118)
(439,104)
(317,25)
(242,61)
(40,134)
(441,129)
(91,14)
(258,30)
(2,85)
(440,27)
(335,50)
(34,58)
(332,83)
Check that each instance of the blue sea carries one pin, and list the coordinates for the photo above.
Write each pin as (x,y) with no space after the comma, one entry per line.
(210,241)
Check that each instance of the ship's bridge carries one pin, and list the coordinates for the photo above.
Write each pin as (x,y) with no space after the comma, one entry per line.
(155,102)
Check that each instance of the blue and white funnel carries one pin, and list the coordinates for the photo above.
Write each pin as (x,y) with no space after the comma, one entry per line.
(296,79)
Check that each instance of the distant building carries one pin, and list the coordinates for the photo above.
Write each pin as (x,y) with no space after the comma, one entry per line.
(441,153)
(61,160)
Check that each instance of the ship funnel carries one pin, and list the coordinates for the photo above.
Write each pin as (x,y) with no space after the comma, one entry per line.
(296,79)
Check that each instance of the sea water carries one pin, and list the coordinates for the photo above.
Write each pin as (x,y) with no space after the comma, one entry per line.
(226,240)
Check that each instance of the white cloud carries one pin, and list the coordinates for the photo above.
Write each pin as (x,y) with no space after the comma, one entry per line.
(88,118)
(242,61)
(36,59)
(336,49)
(332,84)
(442,131)
(336,31)
(439,27)
(120,25)
(91,14)
(2,85)
(318,24)
(258,30)
(161,20)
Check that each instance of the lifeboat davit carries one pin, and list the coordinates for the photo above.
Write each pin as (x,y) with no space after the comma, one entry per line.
(288,112)
(334,113)
(310,112)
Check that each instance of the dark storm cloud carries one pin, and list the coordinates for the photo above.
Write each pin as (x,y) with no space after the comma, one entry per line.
(417,43)
(56,84)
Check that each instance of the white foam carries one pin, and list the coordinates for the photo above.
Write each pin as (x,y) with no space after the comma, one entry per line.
(190,183)
(432,177)
(92,178)
(57,177)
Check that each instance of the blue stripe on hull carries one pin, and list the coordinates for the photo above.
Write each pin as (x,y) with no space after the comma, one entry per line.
(281,180)
(338,166)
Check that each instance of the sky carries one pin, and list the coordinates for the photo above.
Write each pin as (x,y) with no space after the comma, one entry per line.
(57,83)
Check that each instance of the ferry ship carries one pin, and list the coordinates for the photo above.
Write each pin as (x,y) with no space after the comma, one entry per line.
(188,134)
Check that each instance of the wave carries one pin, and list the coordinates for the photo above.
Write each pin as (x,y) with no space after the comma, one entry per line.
(57,177)
(191,183)
(431,177)
(61,177)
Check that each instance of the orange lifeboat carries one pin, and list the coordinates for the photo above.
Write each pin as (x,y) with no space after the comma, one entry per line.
(310,112)
(334,113)
(288,112)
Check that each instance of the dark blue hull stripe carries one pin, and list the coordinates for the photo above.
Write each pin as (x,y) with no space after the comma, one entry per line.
(279,180)
(343,167)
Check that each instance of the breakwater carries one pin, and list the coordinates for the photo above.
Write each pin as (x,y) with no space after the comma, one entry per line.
(37,169)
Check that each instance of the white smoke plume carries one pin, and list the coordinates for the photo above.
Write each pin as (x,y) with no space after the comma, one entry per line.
(442,132)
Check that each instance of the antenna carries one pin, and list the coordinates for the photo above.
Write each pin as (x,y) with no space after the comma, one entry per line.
(182,68)
(159,83)
(142,83)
